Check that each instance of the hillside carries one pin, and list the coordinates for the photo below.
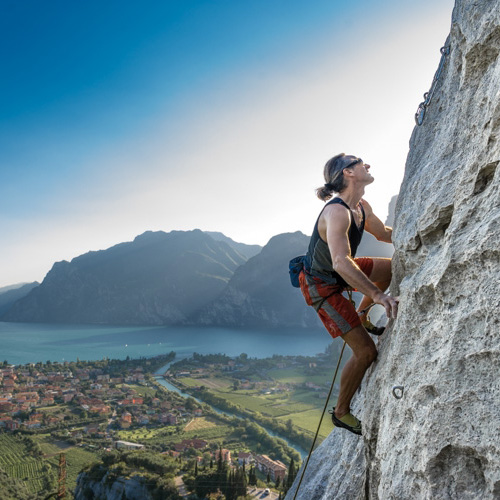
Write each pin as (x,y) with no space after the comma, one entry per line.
(181,277)
(9,295)
(159,278)
(246,250)
(260,293)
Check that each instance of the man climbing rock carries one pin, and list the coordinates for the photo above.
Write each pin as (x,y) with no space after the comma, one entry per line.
(331,268)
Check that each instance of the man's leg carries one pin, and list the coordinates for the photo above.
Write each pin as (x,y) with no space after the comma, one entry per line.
(381,275)
(364,353)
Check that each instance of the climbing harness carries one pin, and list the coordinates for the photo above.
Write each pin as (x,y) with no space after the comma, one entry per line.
(398,391)
(349,293)
(420,114)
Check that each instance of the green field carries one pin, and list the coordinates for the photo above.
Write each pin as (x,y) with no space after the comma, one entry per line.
(300,375)
(301,405)
(309,420)
(216,432)
(210,383)
(76,458)
(16,461)
(141,389)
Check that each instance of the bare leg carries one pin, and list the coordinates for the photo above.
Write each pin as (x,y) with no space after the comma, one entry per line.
(381,276)
(364,353)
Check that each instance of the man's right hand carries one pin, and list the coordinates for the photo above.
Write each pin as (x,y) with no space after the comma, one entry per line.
(390,304)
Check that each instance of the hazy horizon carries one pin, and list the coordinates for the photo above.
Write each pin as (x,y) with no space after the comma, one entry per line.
(117,119)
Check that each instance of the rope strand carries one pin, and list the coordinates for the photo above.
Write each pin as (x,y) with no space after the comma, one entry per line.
(320,422)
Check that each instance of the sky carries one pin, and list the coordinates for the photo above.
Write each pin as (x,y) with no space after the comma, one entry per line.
(120,117)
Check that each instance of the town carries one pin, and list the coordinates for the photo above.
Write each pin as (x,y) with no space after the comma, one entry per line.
(92,410)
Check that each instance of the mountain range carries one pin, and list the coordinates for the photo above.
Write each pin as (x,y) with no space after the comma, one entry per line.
(175,278)
(9,295)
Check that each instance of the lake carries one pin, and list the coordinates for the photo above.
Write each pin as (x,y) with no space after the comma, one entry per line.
(32,342)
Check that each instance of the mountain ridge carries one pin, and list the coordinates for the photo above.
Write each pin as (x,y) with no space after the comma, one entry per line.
(176,278)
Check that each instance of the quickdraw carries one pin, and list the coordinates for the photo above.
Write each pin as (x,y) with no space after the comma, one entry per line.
(420,114)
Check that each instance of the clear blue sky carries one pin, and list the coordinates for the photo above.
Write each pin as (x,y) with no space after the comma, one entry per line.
(120,117)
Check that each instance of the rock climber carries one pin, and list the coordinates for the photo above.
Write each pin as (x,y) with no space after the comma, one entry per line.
(332,268)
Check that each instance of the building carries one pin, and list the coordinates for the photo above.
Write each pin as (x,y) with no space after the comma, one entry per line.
(125,420)
(274,468)
(197,444)
(226,455)
(128,446)
(245,458)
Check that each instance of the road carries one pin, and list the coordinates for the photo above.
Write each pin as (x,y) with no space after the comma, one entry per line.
(259,493)
(181,487)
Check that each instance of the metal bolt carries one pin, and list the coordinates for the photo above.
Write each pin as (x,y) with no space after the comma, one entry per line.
(398,391)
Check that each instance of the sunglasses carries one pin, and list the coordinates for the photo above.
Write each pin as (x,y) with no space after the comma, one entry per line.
(354,162)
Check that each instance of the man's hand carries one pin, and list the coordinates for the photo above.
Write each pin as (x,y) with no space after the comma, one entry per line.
(390,304)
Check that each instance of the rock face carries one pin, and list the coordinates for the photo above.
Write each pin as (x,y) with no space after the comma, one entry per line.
(441,440)
(133,488)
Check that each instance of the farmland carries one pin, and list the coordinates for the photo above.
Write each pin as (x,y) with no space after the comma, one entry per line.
(288,390)
(17,462)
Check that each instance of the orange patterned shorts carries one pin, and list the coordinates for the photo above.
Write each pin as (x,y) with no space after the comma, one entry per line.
(335,311)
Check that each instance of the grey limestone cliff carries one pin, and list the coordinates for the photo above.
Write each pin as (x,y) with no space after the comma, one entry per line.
(132,488)
(441,440)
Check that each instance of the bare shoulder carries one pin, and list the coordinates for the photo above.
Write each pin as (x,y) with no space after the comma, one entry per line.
(366,206)
(336,216)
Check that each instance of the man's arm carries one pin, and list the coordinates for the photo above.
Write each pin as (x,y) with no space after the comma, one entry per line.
(337,220)
(375,226)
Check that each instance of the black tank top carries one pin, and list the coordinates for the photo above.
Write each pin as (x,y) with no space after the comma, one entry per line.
(318,255)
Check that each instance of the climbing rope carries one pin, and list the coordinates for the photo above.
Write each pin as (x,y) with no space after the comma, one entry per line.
(420,114)
(320,422)
(349,293)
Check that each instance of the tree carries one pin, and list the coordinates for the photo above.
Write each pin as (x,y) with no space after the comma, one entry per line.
(292,473)
(191,404)
(277,482)
(252,477)
(206,483)
(241,481)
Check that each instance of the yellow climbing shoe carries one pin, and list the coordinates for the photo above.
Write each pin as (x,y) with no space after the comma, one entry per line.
(348,421)
(371,328)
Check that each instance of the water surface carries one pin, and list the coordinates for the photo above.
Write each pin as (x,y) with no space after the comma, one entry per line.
(32,342)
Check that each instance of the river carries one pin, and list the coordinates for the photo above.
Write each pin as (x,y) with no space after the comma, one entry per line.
(31,342)
(159,377)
